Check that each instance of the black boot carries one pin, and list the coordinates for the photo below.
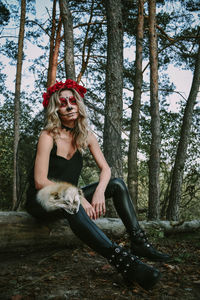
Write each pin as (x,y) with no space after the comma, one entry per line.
(141,247)
(125,209)
(132,269)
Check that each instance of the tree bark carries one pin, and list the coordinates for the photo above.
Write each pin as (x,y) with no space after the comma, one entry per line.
(17,102)
(68,38)
(88,42)
(51,51)
(134,130)
(177,175)
(114,86)
(154,161)
(54,61)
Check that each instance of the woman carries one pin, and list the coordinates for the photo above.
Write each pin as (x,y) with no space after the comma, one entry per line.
(59,158)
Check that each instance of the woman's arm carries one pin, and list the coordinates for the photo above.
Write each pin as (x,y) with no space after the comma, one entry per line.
(44,147)
(98,200)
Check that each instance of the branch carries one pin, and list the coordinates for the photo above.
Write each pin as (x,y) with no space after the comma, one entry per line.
(158,53)
(8,36)
(165,34)
(168,90)
(86,24)
(94,107)
(34,22)
(102,112)
(84,63)
(172,41)
(92,56)
(89,23)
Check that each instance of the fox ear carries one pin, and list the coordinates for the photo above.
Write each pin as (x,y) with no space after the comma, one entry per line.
(55,195)
(80,192)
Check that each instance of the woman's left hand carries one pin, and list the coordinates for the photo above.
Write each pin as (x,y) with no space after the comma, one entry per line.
(98,203)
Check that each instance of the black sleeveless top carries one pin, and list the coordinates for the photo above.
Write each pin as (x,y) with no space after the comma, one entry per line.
(60,169)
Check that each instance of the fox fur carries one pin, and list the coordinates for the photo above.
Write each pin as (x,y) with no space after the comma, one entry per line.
(61,195)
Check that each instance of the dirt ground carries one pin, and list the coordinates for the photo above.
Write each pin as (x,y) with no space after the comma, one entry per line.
(80,273)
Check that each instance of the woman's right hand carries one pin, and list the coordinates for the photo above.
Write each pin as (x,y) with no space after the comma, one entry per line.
(88,208)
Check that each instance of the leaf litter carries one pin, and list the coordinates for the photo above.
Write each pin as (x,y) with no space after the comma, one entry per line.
(80,273)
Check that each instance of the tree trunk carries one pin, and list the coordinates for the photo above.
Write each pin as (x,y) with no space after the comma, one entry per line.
(114,86)
(154,161)
(134,131)
(177,175)
(54,61)
(68,38)
(17,101)
(51,51)
(87,44)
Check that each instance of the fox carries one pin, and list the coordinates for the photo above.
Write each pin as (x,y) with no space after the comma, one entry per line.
(60,195)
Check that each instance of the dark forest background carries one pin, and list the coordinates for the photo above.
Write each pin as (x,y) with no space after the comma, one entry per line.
(154,148)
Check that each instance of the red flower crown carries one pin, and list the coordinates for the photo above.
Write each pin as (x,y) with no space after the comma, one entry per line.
(69,84)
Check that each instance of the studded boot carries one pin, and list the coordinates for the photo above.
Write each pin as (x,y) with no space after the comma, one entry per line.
(132,269)
(141,247)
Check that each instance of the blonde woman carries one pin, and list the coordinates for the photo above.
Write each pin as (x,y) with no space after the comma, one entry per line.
(59,159)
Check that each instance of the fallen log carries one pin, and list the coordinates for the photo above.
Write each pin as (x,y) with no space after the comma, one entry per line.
(18,230)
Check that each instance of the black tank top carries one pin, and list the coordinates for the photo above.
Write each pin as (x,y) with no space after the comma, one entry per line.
(62,169)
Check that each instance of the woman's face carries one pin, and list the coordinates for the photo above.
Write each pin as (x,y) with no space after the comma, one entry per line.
(68,110)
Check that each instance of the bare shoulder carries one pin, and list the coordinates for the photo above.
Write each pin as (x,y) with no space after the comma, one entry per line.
(91,138)
(45,134)
(45,140)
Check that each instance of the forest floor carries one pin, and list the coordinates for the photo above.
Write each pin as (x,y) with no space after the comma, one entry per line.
(79,273)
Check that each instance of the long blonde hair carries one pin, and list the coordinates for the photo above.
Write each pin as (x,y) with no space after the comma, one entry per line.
(53,123)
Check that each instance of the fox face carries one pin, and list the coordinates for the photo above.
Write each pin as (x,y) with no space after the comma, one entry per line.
(60,196)
(70,199)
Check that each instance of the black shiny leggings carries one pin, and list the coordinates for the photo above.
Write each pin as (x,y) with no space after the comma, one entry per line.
(118,191)
(86,229)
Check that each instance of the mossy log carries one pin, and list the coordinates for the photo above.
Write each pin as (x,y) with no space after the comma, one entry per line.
(18,230)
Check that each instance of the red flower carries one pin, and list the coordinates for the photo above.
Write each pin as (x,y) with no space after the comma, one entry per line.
(69,83)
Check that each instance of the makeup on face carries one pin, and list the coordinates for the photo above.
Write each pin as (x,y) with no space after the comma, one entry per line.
(67,100)
(68,109)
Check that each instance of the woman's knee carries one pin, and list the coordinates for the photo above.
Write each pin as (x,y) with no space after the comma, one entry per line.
(118,183)
(89,190)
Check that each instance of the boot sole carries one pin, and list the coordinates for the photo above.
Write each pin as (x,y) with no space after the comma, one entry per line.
(146,287)
(150,287)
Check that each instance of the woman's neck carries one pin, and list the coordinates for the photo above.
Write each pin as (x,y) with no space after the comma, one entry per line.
(67,128)
(68,124)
